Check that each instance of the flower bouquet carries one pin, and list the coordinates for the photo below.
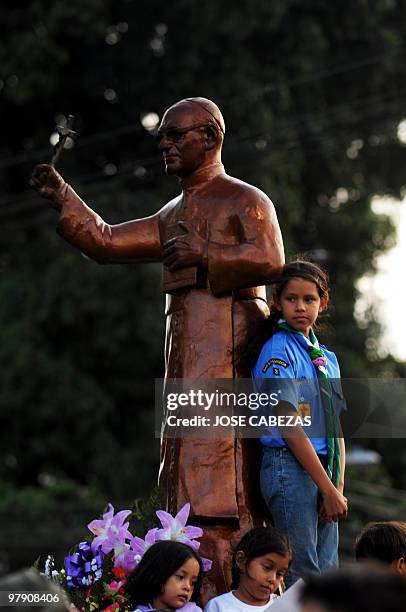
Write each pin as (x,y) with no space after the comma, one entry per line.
(95,574)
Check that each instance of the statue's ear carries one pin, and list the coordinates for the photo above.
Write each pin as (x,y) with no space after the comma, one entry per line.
(212,138)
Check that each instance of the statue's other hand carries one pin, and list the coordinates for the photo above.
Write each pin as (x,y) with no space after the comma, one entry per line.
(49,183)
(190,249)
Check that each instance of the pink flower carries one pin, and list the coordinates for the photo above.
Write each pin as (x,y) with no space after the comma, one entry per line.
(320,361)
(110,530)
(176,528)
(114,586)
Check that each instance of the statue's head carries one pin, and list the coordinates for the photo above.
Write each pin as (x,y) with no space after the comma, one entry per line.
(191,135)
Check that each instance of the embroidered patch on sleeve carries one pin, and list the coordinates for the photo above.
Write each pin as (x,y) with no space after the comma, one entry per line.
(304,410)
(278,362)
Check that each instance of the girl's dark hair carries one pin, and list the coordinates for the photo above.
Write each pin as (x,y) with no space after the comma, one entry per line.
(300,268)
(384,541)
(256,543)
(356,588)
(157,565)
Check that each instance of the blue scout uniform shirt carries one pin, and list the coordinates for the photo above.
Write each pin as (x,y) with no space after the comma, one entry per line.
(284,359)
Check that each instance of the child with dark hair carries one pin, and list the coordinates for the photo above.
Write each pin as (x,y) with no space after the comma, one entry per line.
(169,576)
(302,472)
(383,542)
(260,561)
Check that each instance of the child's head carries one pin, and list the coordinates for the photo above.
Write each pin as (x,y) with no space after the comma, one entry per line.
(260,561)
(297,277)
(384,542)
(301,293)
(352,589)
(168,576)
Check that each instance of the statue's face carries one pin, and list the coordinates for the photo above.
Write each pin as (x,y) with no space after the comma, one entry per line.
(182,139)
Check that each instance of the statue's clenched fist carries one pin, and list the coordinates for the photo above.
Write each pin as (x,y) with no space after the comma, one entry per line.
(49,183)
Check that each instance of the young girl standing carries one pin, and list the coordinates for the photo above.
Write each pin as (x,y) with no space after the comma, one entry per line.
(169,576)
(260,561)
(302,476)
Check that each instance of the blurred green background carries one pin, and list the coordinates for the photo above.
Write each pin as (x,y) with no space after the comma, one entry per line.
(312,94)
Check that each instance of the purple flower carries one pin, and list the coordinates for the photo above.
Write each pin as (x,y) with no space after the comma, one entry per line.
(84,566)
(123,558)
(111,534)
(139,546)
(176,528)
(207,564)
(110,530)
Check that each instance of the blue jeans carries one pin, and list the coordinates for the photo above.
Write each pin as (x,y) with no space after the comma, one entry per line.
(292,497)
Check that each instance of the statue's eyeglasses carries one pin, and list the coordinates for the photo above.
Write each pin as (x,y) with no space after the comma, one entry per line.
(176,134)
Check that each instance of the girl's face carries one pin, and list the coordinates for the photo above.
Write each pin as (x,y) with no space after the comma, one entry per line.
(300,304)
(178,589)
(261,577)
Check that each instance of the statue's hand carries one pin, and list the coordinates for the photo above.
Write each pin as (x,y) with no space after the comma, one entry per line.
(187,250)
(49,183)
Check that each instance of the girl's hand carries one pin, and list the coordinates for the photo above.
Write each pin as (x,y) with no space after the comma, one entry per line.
(334,505)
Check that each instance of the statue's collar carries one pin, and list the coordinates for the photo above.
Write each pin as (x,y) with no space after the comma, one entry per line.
(207,173)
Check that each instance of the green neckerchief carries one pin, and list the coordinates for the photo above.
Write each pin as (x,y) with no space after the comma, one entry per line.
(332,425)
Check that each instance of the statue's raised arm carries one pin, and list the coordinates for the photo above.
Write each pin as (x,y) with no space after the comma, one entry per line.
(131,242)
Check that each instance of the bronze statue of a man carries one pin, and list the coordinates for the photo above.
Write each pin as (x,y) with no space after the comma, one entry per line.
(219,242)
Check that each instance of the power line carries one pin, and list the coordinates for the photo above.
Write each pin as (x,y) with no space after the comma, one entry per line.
(32,202)
(294,122)
(225,103)
(278,136)
(100,186)
(322,74)
(21,158)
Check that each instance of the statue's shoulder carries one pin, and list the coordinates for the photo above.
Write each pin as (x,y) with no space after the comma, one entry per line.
(234,188)
(167,209)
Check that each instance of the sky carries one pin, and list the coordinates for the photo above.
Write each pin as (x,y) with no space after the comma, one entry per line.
(387,289)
